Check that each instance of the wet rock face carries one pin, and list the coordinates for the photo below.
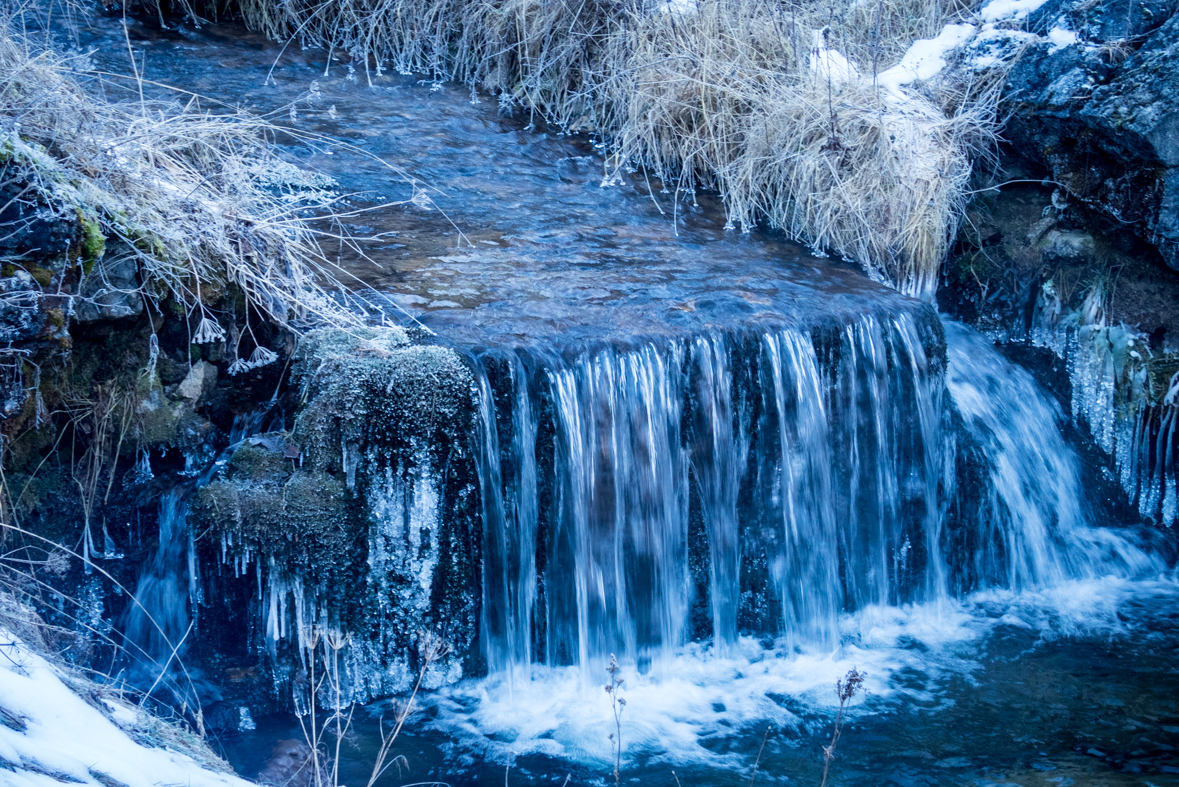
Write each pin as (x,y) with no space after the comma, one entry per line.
(35,247)
(1025,237)
(32,231)
(1101,116)
(111,290)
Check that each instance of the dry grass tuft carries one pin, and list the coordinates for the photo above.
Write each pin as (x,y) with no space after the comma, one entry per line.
(198,200)
(741,99)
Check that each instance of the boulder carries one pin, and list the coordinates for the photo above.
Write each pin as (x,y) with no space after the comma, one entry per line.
(21,314)
(199,381)
(111,290)
(1101,115)
(364,518)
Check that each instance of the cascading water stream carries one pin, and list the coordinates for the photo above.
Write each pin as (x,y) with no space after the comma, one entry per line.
(510,524)
(1029,528)
(718,460)
(167,596)
(820,465)
(743,515)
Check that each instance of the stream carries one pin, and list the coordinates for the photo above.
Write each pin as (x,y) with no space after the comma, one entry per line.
(738,466)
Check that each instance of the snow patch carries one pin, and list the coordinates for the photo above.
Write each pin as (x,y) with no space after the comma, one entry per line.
(1061,38)
(924,60)
(1008,10)
(829,64)
(65,736)
(678,8)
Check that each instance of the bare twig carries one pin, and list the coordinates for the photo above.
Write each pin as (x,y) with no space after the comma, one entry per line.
(845,689)
(617,705)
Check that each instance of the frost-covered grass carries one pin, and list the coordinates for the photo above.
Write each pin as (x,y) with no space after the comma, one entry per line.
(780,109)
(197,199)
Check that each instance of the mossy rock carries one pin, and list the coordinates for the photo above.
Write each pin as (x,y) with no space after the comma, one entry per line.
(378,521)
(374,389)
(259,464)
(305,523)
(93,241)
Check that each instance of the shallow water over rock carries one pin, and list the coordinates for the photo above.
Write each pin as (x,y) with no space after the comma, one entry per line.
(501,234)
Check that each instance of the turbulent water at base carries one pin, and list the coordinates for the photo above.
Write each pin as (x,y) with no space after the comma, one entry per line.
(1031,526)
(786,460)
(736,467)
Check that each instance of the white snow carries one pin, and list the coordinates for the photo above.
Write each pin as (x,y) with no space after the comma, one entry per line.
(678,7)
(66,736)
(1061,38)
(1008,10)
(829,64)
(925,58)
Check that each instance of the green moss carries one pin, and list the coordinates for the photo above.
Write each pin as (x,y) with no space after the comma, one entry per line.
(373,389)
(160,425)
(93,241)
(27,450)
(148,243)
(42,276)
(305,521)
(55,317)
(45,492)
(257,463)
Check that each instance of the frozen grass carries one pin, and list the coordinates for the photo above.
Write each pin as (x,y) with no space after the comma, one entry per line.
(197,199)
(773,104)
(780,120)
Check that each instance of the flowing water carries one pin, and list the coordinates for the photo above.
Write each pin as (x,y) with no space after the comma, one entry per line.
(739,468)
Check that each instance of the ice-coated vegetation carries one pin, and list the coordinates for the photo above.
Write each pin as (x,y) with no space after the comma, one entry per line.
(1125,393)
(194,201)
(361,519)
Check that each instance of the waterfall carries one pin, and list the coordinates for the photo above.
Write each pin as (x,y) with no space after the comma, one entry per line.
(621,503)
(764,482)
(557,505)
(1028,527)
(167,595)
(811,459)
(718,460)
(510,521)
(158,620)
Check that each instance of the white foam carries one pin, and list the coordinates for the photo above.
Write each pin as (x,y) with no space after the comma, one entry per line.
(675,710)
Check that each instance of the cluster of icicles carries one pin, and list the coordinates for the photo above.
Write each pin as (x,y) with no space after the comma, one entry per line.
(1130,408)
